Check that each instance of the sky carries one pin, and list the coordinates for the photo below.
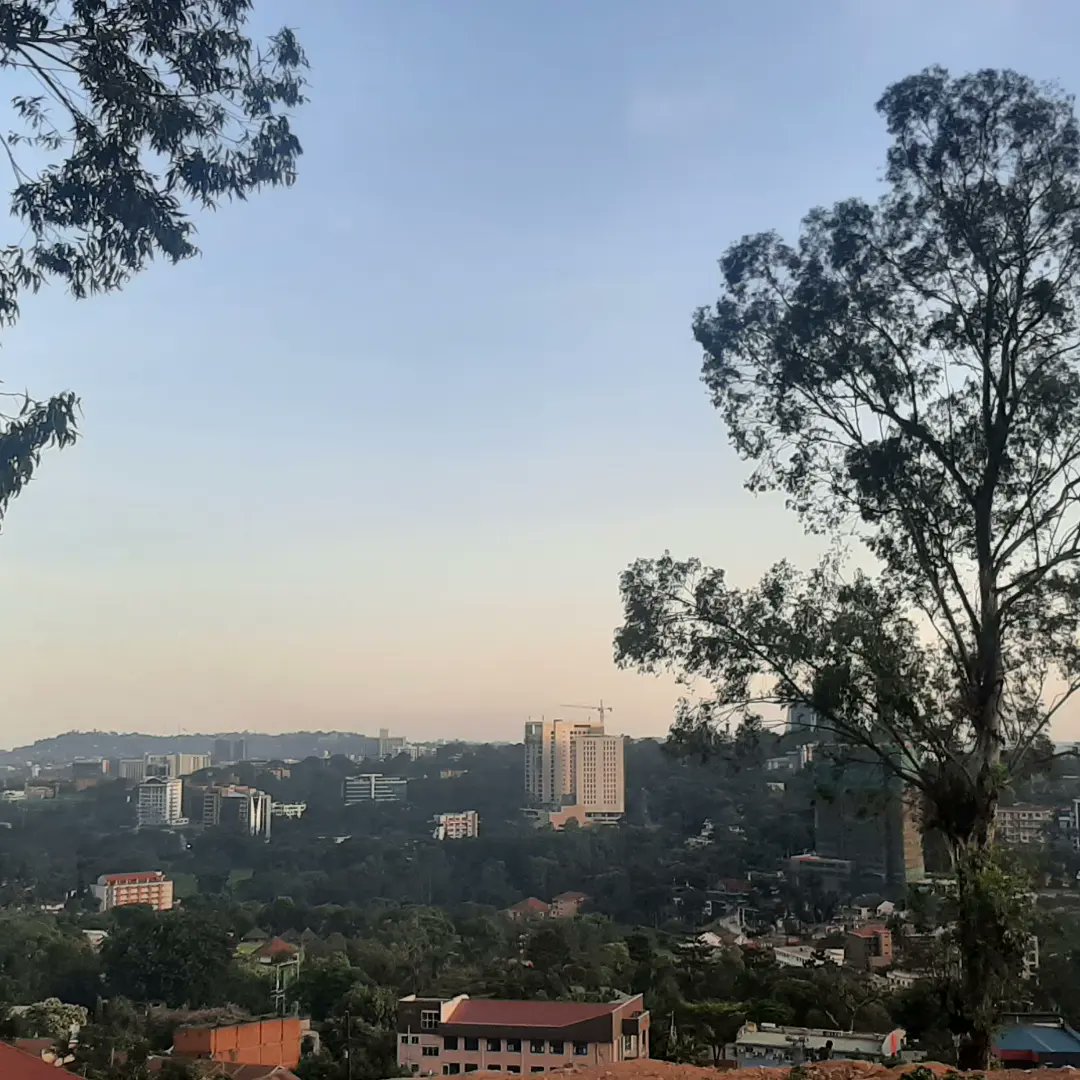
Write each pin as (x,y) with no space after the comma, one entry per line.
(377,457)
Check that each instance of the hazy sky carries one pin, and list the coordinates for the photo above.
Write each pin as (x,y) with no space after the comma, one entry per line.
(378,456)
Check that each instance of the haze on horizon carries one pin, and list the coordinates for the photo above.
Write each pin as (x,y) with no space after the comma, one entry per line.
(378,457)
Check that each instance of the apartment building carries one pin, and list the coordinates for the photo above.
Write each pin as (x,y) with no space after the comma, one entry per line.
(439,1037)
(160,802)
(148,887)
(1023,824)
(131,768)
(374,787)
(460,825)
(574,770)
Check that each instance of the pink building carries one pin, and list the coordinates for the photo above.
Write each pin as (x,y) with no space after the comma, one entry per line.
(438,1037)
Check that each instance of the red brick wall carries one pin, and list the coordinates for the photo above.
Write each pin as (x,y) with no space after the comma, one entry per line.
(261,1042)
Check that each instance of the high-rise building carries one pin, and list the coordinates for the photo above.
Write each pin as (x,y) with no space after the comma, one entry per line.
(160,801)
(242,809)
(148,887)
(228,751)
(131,768)
(575,768)
(864,814)
(374,787)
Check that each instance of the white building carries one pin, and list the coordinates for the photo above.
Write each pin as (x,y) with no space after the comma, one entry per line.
(1023,824)
(575,769)
(461,825)
(288,809)
(160,801)
(174,765)
(374,787)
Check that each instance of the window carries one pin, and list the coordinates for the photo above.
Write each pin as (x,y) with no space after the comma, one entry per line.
(556,1047)
(415,1067)
(472,1043)
(429,1019)
(415,1040)
(472,1068)
(513,1068)
(404,1040)
(537,1068)
(513,1046)
(452,1069)
(449,1042)
(536,1046)
(494,1068)
(581,1049)
(494,1045)
(430,1051)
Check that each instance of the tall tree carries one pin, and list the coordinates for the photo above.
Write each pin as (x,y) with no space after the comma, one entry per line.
(127,114)
(906,374)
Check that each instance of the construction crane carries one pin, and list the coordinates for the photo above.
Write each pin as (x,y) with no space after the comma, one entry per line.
(602,709)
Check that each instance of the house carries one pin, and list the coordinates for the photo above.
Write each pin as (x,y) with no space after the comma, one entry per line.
(276,951)
(18,1065)
(531,908)
(461,1035)
(567,905)
(273,1041)
(869,948)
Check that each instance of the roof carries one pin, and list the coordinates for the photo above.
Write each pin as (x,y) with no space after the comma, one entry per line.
(869,931)
(15,1065)
(571,895)
(528,1014)
(1039,1039)
(275,948)
(529,904)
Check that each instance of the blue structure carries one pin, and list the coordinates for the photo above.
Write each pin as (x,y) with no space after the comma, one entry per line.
(1030,1040)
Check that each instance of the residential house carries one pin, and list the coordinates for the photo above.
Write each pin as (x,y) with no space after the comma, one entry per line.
(869,948)
(530,908)
(568,905)
(462,1035)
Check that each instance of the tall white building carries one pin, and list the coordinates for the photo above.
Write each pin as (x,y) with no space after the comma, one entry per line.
(459,825)
(576,769)
(160,801)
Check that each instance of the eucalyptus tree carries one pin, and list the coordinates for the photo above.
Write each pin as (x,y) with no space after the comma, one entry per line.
(906,374)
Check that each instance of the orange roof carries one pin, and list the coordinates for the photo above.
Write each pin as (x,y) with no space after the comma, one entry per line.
(529,904)
(571,895)
(274,948)
(15,1065)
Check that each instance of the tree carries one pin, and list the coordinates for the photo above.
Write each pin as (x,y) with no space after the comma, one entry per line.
(131,112)
(906,374)
(178,957)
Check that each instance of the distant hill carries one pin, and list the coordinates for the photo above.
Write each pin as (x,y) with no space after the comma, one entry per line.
(106,744)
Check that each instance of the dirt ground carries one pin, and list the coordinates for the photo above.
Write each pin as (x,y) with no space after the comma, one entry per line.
(831,1070)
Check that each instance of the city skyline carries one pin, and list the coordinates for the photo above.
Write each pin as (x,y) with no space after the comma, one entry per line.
(379,456)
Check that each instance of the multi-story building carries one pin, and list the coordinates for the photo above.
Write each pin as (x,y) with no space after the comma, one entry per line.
(438,1037)
(175,765)
(160,801)
(147,887)
(131,768)
(1023,824)
(228,751)
(242,809)
(374,787)
(288,809)
(460,825)
(574,770)
(869,948)
(273,1043)
(864,815)
(801,719)
(759,1046)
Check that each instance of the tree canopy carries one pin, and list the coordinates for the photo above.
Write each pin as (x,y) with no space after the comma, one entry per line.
(129,115)
(906,373)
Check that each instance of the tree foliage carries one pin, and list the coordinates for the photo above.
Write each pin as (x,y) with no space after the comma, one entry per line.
(906,373)
(128,114)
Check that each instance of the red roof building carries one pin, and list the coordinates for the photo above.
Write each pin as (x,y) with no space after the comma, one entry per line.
(464,1034)
(16,1065)
(529,909)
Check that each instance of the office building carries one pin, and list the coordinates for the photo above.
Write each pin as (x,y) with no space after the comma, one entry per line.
(390,745)
(160,801)
(574,770)
(864,815)
(150,888)
(374,787)
(461,825)
(89,769)
(440,1037)
(240,809)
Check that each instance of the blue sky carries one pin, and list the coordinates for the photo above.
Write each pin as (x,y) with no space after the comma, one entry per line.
(378,456)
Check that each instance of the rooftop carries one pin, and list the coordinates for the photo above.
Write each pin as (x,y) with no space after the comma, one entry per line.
(528,1014)
(15,1065)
